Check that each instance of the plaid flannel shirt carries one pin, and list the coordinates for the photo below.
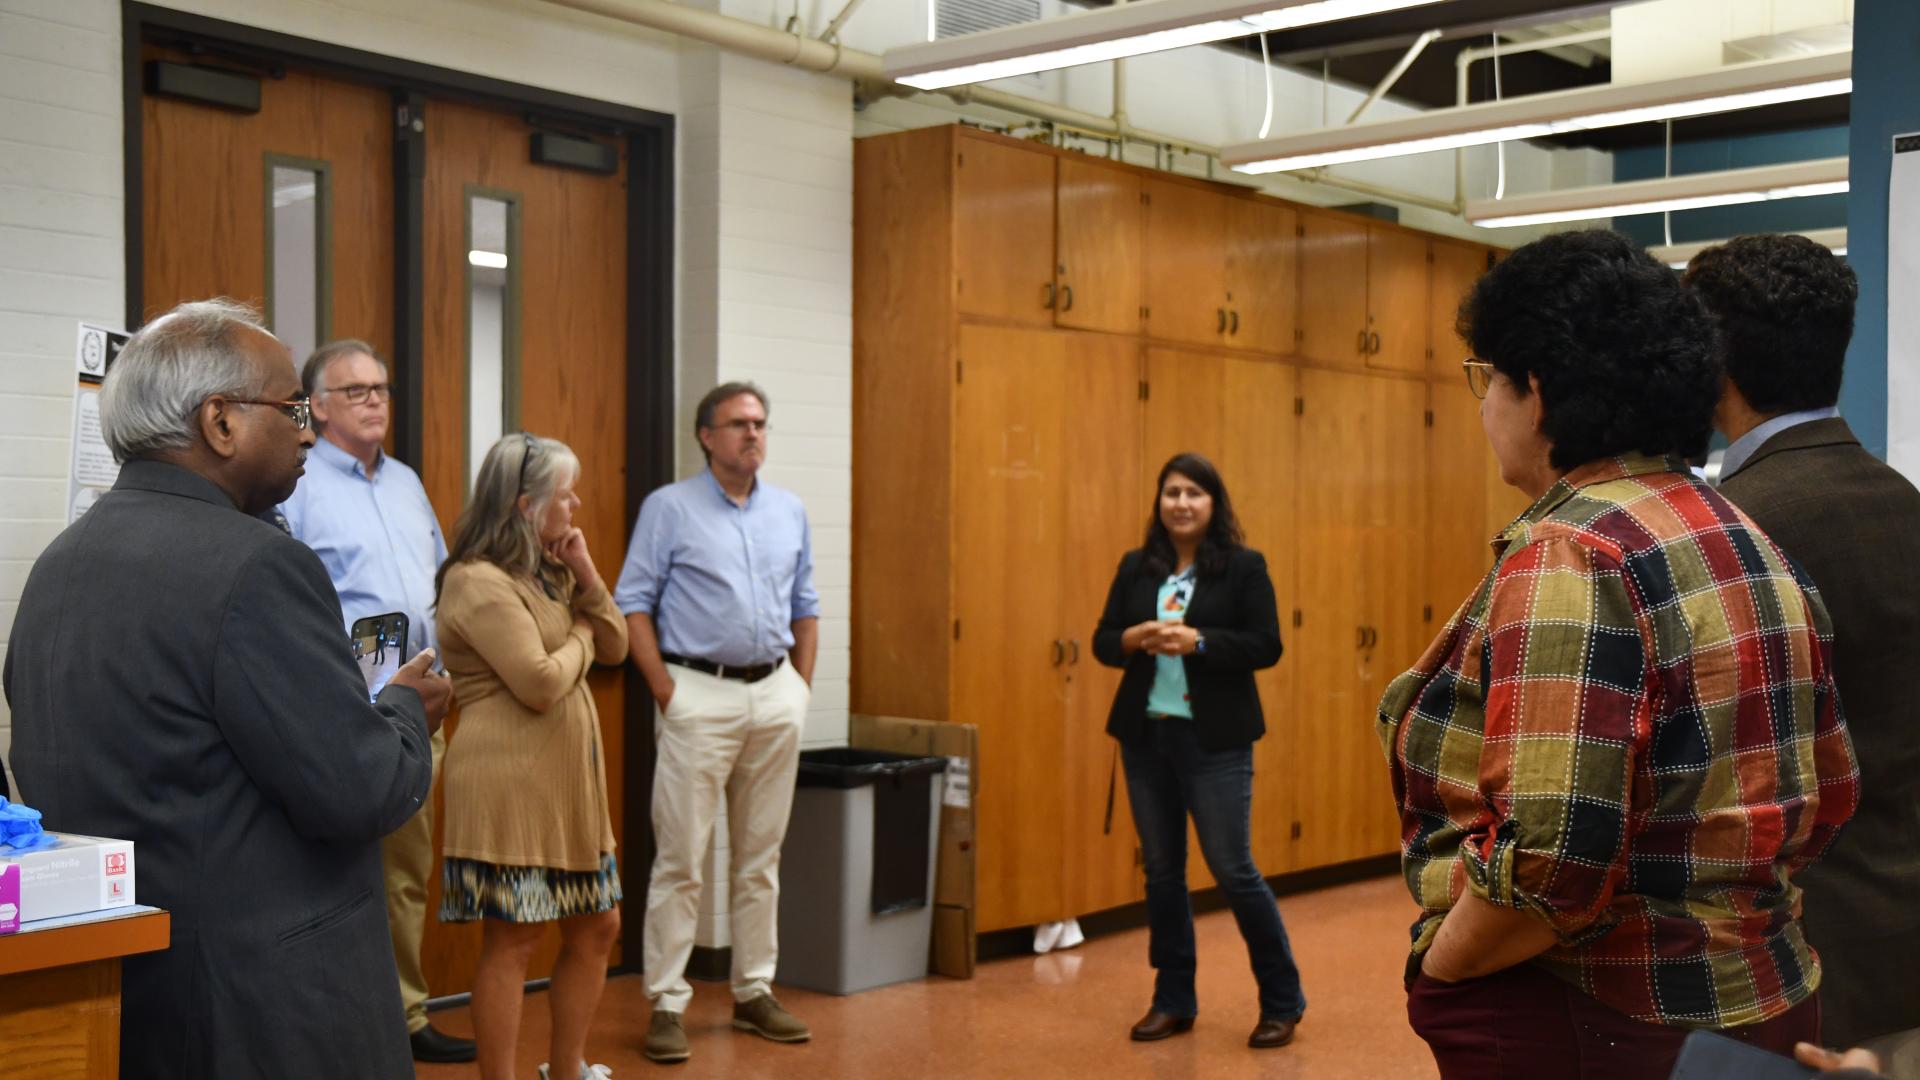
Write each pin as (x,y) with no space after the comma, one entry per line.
(1630,730)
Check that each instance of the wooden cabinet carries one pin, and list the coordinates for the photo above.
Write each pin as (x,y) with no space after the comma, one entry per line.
(1186,268)
(1363,298)
(1361,591)
(1396,299)
(1262,268)
(1220,269)
(1036,332)
(1099,247)
(1002,232)
(1455,268)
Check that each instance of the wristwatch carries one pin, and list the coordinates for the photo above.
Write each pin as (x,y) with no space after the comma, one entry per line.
(1199,643)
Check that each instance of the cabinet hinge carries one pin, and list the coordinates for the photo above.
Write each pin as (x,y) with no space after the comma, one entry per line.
(1146,199)
(1146,312)
(1426,613)
(956,629)
(1299,335)
(959,370)
(1295,832)
(1429,417)
(1429,255)
(1299,230)
(960,161)
(1429,354)
(1299,406)
(1145,391)
(1296,618)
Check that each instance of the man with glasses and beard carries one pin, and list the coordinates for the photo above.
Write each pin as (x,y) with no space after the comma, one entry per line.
(179,678)
(368,518)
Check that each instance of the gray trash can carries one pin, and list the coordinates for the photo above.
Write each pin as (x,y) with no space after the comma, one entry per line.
(856,871)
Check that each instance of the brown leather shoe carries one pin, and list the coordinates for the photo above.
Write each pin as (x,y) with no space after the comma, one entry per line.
(1158,1025)
(1268,1034)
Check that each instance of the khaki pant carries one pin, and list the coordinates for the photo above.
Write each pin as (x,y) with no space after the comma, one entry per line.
(721,739)
(406,856)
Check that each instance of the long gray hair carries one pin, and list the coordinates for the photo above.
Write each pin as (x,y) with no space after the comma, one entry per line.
(168,369)
(492,527)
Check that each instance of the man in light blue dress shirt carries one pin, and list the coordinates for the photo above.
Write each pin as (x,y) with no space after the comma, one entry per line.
(368,518)
(723,622)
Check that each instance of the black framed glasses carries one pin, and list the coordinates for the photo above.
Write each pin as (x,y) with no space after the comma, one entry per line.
(526,455)
(295,409)
(356,393)
(1479,376)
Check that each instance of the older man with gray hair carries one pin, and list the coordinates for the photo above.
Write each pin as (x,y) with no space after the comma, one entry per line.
(179,678)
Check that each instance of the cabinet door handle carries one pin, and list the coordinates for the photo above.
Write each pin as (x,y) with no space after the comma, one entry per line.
(1360,637)
(1067,292)
(1221,327)
(1374,343)
(1074,645)
(1373,637)
(1363,341)
(1052,296)
(1236,323)
(1059,651)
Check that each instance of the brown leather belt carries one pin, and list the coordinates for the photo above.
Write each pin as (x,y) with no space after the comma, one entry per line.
(751,674)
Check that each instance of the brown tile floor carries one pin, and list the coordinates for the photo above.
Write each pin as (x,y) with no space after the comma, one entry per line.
(1057,1016)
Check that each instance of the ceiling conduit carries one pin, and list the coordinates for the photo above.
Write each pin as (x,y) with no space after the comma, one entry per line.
(829,57)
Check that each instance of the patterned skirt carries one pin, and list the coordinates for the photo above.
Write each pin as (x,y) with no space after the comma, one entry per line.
(471,889)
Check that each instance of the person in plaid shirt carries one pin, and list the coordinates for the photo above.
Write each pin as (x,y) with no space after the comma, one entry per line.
(1616,755)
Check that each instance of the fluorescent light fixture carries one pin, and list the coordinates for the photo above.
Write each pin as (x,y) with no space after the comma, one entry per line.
(1108,33)
(492,260)
(1736,86)
(1827,176)
(1679,255)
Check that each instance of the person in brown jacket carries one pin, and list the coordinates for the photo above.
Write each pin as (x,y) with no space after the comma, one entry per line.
(523,615)
(1785,308)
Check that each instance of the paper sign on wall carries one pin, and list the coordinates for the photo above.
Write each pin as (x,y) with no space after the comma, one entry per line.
(959,786)
(91,470)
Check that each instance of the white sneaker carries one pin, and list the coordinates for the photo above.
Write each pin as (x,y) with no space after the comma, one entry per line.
(587,1072)
(1046,936)
(1070,935)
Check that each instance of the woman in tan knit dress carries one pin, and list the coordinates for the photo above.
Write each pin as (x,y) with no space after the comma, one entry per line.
(523,615)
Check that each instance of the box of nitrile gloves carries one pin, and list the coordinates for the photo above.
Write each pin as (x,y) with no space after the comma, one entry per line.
(77,874)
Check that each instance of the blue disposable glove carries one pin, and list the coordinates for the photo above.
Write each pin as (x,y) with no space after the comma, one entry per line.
(20,828)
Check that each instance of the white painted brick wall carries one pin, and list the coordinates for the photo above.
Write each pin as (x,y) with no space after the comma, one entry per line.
(767,295)
(61,254)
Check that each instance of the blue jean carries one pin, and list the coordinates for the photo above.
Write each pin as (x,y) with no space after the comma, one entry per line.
(1170,775)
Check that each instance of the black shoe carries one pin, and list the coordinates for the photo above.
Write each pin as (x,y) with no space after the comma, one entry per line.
(436,1047)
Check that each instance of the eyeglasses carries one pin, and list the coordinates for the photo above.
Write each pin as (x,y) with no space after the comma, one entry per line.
(1479,376)
(296,409)
(526,455)
(741,427)
(360,392)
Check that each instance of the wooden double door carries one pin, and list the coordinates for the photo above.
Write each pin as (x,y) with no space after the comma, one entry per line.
(209,228)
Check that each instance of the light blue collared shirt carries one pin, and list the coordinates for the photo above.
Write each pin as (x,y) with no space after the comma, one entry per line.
(724,583)
(1745,445)
(376,535)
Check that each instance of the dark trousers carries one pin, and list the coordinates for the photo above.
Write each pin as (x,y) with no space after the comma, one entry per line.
(1169,776)
(1525,1024)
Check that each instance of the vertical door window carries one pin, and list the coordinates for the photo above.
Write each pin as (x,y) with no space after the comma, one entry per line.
(493,321)
(299,272)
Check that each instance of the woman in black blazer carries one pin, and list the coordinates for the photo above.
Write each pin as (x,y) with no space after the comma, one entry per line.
(1190,617)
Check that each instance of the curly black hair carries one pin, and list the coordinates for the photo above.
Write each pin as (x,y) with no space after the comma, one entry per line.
(1627,357)
(1223,531)
(1785,306)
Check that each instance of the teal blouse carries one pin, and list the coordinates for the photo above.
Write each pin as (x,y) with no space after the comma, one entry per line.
(1169,694)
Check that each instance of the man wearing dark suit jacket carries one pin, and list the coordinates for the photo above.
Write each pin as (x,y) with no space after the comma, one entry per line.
(179,678)
(1785,306)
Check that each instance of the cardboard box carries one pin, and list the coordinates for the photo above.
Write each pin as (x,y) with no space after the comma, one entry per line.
(953,885)
(77,874)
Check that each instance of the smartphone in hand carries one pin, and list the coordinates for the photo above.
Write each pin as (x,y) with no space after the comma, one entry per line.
(380,646)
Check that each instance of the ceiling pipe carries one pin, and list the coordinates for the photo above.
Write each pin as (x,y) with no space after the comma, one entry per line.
(1413,53)
(811,54)
(1466,58)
